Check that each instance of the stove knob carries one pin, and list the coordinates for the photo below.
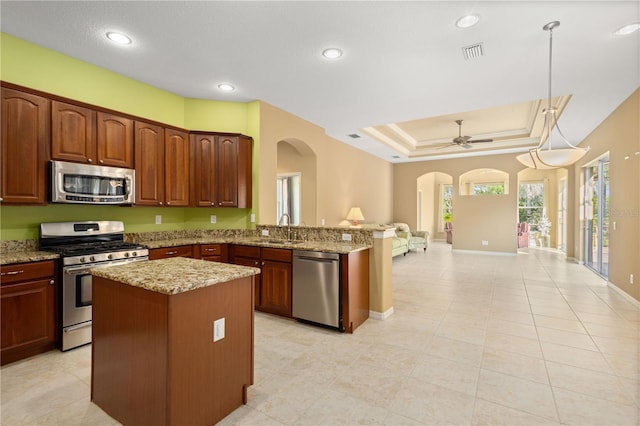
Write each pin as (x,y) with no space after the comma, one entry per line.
(126,254)
(109,256)
(134,254)
(92,258)
(82,259)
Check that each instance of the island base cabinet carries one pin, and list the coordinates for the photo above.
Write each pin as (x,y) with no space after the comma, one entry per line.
(154,361)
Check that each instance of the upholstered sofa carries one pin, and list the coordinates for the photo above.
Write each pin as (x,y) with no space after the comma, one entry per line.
(406,240)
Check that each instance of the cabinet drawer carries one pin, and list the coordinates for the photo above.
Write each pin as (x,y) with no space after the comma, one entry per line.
(245,251)
(279,255)
(27,271)
(210,250)
(179,251)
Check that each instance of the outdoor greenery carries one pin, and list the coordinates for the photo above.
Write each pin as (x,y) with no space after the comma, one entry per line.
(531,203)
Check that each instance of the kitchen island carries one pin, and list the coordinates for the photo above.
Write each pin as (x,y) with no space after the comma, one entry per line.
(172,340)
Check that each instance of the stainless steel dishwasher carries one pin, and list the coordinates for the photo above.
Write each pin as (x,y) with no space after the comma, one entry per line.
(316,287)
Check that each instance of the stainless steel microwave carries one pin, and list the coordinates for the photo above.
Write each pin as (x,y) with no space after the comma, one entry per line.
(89,184)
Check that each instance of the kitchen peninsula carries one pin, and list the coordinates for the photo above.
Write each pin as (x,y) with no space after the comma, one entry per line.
(172,340)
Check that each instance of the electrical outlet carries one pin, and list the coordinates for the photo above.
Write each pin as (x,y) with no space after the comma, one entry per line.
(252,219)
(214,219)
(630,278)
(346,237)
(485,242)
(218,329)
(158,219)
(322,222)
(265,232)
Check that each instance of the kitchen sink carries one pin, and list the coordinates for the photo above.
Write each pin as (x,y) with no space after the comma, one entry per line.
(285,242)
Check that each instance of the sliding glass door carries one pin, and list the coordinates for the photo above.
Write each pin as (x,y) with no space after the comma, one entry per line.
(597,216)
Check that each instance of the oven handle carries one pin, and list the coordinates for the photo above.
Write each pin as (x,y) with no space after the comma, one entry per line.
(84,269)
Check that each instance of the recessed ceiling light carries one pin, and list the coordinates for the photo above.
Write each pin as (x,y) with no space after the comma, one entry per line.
(467,21)
(226,87)
(118,38)
(332,53)
(628,29)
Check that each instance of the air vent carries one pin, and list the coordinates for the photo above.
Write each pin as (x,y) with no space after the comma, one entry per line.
(473,51)
(354,136)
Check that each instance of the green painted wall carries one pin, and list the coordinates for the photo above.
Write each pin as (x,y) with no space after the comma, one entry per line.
(42,69)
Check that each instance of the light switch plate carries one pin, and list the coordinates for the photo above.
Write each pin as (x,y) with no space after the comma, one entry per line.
(346,237)
(158,219)
(218,329)
(214,219)
(253,218)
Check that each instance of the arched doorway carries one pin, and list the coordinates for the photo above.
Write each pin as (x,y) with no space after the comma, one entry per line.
(435,203)
(296,186)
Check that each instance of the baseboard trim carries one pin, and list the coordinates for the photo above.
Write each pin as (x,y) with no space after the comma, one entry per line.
(624,294)
(381,315)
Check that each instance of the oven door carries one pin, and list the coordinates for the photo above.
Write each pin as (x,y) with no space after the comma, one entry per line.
(76,301)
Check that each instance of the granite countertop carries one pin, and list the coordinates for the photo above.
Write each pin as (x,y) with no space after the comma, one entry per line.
(7,258)
(325,246)
(174,275)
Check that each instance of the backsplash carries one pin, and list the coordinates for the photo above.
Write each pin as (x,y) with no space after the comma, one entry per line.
(324,234)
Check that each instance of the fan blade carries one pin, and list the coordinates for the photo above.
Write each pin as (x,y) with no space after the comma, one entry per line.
(480,140)
(466,145)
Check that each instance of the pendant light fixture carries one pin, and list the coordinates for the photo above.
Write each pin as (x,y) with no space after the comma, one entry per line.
(545,155)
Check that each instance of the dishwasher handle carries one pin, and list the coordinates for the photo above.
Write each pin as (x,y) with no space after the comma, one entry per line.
(315,259)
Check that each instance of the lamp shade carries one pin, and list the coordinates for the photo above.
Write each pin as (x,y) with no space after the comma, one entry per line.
(355,214)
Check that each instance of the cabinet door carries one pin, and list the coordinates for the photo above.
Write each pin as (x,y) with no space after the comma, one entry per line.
(24,147)
(149,164)
(115,140)
(176,166)
(73,135)
(245,171)
(275,294)
(203,180)
(227,171)
(255,263)
(28,317)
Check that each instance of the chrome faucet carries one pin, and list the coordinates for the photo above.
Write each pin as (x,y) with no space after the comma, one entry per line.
(280,222)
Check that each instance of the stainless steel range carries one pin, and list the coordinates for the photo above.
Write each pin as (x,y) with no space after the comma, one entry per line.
(83,246)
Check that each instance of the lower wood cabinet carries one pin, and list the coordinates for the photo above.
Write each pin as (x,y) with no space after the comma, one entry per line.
(212,252)
(28,310)
(275,293)
(248,256)
(165,252)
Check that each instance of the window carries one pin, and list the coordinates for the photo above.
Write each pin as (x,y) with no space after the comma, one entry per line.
(288,197)
(446,205)
(531,202)
(494,188)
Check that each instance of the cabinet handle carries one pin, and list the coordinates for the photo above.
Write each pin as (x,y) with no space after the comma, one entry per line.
(213,204)
(168,203)
(209,249)
(13,272)
(52,282)
(101,161)
(160,202)
(89,160)
(169,253)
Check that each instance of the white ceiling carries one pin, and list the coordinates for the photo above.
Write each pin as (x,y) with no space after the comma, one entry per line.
(403,80)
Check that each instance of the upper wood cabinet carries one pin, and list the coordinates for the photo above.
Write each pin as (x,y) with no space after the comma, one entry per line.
(176,167)
(73,133)
(162,166)
(83,135)
(24,147)
(115,140)
(221,168)
(149,164)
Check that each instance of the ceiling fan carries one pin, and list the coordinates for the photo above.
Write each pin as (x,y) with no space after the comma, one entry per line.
(463,141)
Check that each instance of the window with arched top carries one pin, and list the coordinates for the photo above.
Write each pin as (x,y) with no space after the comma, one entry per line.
(484,182)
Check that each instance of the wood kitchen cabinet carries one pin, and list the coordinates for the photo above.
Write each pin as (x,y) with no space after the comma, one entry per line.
(162,166)
(275,292)
(221,167)
(83,135)
(114,140)
(354,281)
(24,147)
(149,164)
(273,285)
(248,256)
(166,252)
(28,309)
(213,252)
(176,168)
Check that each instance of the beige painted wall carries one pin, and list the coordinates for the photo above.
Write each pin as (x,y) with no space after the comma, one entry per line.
(345,176)
(476,218)
(619,135)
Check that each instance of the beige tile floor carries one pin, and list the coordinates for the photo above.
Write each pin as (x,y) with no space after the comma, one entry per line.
(475,339)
